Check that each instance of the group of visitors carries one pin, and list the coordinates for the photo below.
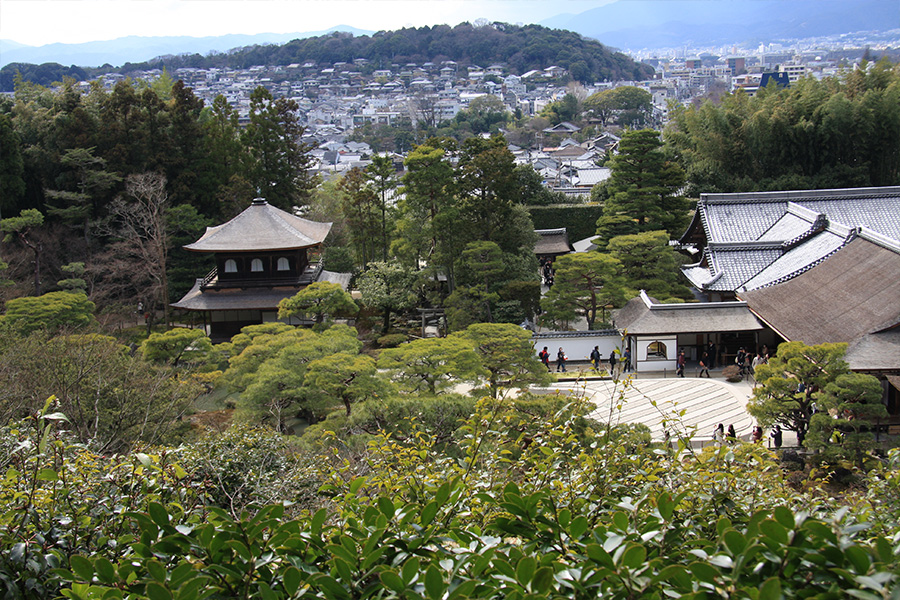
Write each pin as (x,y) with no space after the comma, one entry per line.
(748,362)
(596,359)
(720,436)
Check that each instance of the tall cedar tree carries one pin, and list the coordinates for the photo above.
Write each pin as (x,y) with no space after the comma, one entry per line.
(643,189)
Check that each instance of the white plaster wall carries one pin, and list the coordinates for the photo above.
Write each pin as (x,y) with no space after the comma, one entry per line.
(639,355)
(579,348)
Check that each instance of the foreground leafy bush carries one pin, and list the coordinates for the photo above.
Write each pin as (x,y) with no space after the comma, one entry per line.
(529,508)
(59,500)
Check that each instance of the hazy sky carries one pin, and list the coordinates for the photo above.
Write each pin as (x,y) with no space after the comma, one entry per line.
(39,22)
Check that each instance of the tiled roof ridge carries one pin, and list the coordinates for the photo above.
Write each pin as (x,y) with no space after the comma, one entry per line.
(745,245)
(800,195)
(878,239)
(557,231)
(809,266)
(818,226)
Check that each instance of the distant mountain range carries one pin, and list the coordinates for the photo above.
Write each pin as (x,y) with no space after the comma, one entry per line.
(626,24)
(646,24)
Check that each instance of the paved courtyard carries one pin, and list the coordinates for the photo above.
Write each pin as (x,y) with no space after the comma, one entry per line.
(705,402)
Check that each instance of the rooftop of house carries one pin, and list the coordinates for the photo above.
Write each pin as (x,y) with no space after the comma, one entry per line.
(552,242)
(262,227)
(643,315)
(261,298)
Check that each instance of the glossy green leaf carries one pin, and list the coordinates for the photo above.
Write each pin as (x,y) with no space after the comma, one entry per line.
(156,569)
(392,581)
(703,572)
(771,590)
(47,475)
(386,507)
(156,591)
(543,579)
(82,567)
(634,556)
(665,505)
(525,570)
(434,583)
(410,570)
(428,513)
(158,514)
(463,590)
(734,541)
(291,578)
(105,570)
(578,527)
(858,558)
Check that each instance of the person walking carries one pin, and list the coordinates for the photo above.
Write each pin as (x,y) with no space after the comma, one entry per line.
(719,434)
(757,435)
(626,361)
(544,355)
(612,364)
(680,363)
(595,358)
(731,436)
(561,359)
(704,367)
(776,436)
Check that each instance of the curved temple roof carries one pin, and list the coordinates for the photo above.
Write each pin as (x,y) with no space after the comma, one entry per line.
(262,227)
(754,240)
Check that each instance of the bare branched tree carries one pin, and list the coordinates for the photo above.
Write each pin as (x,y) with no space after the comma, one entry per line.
(138,226)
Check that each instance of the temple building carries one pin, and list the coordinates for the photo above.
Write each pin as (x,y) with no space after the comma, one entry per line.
(813,266)
(753,240)
(262,257)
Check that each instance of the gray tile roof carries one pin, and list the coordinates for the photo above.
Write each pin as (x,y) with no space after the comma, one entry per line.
(796,260)
(787,227)
(760,239)
(262,227)
(739,263)
(248,299)
(748,216)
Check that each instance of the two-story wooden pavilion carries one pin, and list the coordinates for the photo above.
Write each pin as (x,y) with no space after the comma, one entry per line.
(261,257)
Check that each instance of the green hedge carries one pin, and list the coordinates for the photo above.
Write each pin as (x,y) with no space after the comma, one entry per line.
(580,220)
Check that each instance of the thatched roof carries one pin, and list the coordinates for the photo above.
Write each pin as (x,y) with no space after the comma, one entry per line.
(876,352)
(644,316)
(552,242)
(262,227)
(853,293)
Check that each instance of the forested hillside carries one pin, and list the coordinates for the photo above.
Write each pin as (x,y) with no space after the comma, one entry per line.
(520,48)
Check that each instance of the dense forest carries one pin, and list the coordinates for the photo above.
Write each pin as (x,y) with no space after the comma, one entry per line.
(520,48)
(838,132)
